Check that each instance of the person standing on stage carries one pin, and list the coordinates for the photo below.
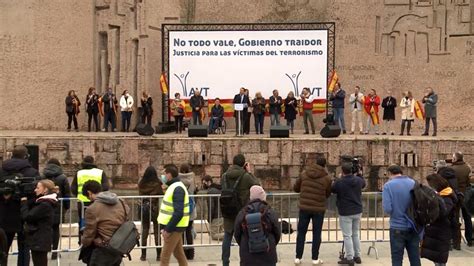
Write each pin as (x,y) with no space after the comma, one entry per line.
(389,104)
(307,102)
(258,105)
(408,108)
(197,102)
(241,98)
(126,106)
(178,108)
(147,108)
(249,114)
(72,109)
(337,98)
(92,108)
(110,109)
(275,108)
(291,109)
(371,106)
(356,100)
(430,100)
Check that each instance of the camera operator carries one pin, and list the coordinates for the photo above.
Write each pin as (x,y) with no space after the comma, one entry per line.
(10,218)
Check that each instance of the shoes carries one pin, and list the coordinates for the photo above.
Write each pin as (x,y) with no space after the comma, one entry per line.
(77,129)
(54,256)
(408,134)
(318,262)
(68,130)
(457,247)
(345,261)
(384,133)
(189,253)
(306,133)
(314,133)
(357,260)
(469,243)
(401,134)
(377,133)
(352,133)
(344,132)
(297,261)
(434,134)
(361,133)
(392,133)
(366,133)
(424,134)
(142,258)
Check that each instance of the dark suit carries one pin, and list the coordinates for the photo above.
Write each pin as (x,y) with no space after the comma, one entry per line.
(243,116)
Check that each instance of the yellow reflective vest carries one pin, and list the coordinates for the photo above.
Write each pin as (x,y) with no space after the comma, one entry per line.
(85,175)
(167,209)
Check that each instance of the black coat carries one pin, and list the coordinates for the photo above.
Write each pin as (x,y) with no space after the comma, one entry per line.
(106,99)
(55,174)
(92,104)
(147,106)
(273,234)
(389,104)
(291,109)
(196,102)
(38,216)
(275,104)
(245,100)
(70,107)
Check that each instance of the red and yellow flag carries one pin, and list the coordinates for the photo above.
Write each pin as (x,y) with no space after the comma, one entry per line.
(333,81)
(374,116)
(163,83)
(419,112)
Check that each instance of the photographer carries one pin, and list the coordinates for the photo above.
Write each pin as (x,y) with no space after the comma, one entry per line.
(10,218)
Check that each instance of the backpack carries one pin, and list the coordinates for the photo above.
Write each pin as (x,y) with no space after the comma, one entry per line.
(230,199)
(469,199)
(256,230)
(425,205)
(125,238)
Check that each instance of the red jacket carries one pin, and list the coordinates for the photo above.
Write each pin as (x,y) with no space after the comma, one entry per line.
(369,102)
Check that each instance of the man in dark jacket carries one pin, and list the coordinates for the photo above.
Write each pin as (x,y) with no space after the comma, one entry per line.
(337,98)
(240,168)
(389,104)
(314,186)
(216,116)
(349,205)
(430,100)
(10,217)
(109,101)
(241,98)
(197,103)
(462,171)
(275,108)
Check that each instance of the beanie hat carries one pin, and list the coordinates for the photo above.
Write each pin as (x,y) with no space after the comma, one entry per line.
(257,192)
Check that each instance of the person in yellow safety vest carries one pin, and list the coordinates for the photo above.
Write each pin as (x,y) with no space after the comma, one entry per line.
(88,172)
(173,217)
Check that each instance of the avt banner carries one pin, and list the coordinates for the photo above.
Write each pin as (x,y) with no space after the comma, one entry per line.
(218,63)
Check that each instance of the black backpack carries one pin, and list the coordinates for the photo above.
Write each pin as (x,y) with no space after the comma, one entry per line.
(230,198)
(425,205)
(469,199)
(256,228)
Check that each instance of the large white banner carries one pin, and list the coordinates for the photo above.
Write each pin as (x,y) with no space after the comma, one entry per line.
(218,63)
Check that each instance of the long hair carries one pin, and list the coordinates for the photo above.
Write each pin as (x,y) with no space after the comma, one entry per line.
(70,92)
(91,89)
(123,93)
(49,185)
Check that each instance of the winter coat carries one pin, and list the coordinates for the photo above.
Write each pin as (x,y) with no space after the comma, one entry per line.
(450,175)
(188,181)
(272,229)
(430,105)
(150,185)
(109,102)
(178,104)
(291,108)
(314,186)
(389,104)
(349,194)
(103,217)
(147,106)
(38,216)
(217,111)
(246,182)
(55,174)
(408,108)
(92,104)
(338,99)
(196,102)
(370,102)
(258,105)
(462,171)
(275,104)
(353,100)
(22,166)
(70,107)
(436,240)
(126,103)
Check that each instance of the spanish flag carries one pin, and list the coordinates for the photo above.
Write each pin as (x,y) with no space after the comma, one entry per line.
(333,81)
(374,116)
(163,83)
(419,112)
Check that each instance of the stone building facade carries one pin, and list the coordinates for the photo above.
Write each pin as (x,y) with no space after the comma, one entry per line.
(50,47)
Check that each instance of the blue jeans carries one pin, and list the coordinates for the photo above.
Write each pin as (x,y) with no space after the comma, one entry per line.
(126,117)
(259,119)
(291,124)
(350,226)
(303,222)
(197,118)
(339,117)
(275,119)
(109,117)
(226,243)
(399,240)
(213,124)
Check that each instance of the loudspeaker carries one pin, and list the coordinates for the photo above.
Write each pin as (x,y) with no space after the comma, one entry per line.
(330,131)
(279,132)
(145,130)
(33,151)
(197,131)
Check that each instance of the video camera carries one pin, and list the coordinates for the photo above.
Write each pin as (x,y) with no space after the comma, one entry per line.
(18,186)
(357,168)
(437,164)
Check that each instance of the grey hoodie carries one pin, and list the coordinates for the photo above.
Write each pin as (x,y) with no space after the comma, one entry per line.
(188,181)
(107,197)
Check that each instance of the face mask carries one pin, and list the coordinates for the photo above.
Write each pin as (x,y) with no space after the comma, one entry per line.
(163,179)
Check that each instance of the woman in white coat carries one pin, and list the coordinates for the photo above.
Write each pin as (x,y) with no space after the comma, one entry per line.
(408,112)
(126,106)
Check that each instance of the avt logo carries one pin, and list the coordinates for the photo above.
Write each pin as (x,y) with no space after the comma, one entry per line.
(183,80)
(294,78)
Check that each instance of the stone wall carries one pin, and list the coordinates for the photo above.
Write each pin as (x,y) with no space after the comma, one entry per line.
(277,162)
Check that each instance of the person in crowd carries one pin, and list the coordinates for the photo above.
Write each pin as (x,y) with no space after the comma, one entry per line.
(239,169)
(349,205)
(249,113)
(337,98)
(275,108)
(291,110)
(244,99)
(462,172)
(408,112)
(307,103)
(147,108)
(38,216)
(10,215)
(89,172)
(178,107)
(3,247)
(54,172)
(430,101)
(197,103)
(356,100)
(150,185)
(126,107)
(389,104)
(435,244)
(396,198)
(72,109)
(271,229)
(258,105)
(103,217)
(211,188)
(314,186)
(109,101)
(371,106)
(216,117)
(92,109)
(186,175)
(173,217)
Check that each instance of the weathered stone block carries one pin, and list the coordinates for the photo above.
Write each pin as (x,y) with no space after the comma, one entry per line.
(274,148)
(213,170)
(286,152)
(251,146)
(257,158)
(128,152)
(378,154)
(216,147)
(106,158)
(216,159)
